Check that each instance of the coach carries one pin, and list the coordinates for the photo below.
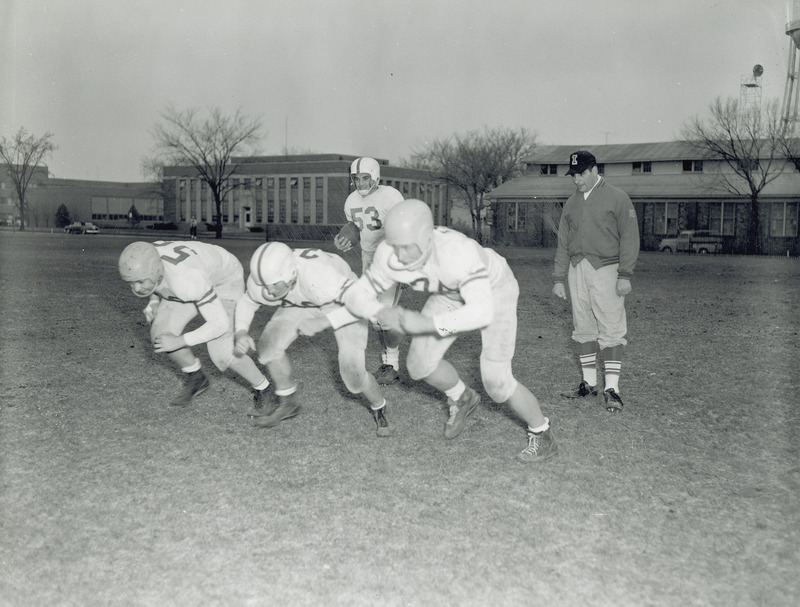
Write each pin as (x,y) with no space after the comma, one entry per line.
(598,245)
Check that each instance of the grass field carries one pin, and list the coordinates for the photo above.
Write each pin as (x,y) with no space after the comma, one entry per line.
(690,496)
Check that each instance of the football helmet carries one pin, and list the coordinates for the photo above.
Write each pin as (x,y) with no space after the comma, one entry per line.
(272,263)
(410,223)
(365,165)
(140,262)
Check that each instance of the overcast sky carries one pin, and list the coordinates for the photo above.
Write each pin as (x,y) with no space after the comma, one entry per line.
(374,77)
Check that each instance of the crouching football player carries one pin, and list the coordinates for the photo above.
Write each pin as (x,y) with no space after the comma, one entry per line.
(305,284)
(472,288)
(181,279)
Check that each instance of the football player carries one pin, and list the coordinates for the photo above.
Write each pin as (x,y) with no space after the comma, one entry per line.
(366,209)
(304,284)
(181,279)
(471,288)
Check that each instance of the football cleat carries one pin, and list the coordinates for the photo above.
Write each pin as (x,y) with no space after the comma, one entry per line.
(379,415)
(541,447)
(286,407)
(386,374)
(614,403)
(258,403)
(196,384)
(582,390)
(460,410)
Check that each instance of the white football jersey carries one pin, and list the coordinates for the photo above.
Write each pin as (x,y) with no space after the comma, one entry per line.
(321,277)
(458,268)
(369,213)
(192,269)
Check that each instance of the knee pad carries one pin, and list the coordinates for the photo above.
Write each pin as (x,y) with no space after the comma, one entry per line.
(498,381)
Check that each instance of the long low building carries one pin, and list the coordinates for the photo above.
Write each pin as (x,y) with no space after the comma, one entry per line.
(672,185)
(291,197)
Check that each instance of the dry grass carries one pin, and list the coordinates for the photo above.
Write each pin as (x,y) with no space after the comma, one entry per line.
(689,497)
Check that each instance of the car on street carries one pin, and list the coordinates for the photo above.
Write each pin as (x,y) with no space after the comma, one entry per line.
(82,228)
(692,241)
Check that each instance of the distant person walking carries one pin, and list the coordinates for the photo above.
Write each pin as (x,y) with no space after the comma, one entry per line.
(598,246)
(193,229)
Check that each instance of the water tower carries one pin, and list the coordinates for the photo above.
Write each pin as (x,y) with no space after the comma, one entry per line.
(791,95)
(750,93)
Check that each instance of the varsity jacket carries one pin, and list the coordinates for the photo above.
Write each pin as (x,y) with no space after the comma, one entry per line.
(602,229)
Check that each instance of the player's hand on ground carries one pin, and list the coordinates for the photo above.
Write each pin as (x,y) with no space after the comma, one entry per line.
(167,342)
(559,290)
(151,310)
(623,286)
(312,326)
(343,244)
(243,343)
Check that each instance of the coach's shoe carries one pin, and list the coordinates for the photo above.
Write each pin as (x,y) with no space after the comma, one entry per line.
(386,375)
(582,390)
(379,415)
(460,410)
(259,398)
(286,407)
(614,403)
(196,383)
(541,447)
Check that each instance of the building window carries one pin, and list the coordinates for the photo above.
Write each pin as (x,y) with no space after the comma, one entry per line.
(692,166)
(784,219)
(548,169)
(319,200)
(642,167)
(722,218)
(295,202)
(515,219)
(282,215)
(665,220)
(306,199)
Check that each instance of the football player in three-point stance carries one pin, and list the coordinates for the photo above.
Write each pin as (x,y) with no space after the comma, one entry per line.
(181,279)
(472,288)
(366,208)
(305,285)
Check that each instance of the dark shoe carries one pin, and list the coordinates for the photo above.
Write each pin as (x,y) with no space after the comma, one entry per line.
(286,407)
(614,403)
(196,383)
(460,410)
(379,415)
(386,375)
(259,398)
(582,390)
(541,447)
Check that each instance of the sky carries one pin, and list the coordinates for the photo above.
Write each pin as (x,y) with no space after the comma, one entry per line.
(377,78)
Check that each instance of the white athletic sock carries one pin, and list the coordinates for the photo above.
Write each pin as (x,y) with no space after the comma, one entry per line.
(541,428)
(456,391)
(262,386)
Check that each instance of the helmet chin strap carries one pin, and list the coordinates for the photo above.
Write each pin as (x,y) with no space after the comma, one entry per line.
(365,193)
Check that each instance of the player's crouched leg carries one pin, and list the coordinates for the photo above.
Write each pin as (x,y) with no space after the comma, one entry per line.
(502,386)
(359,381)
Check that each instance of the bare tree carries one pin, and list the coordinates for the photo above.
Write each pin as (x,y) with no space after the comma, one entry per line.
(207,146)
(475,163)
(21,155)
(754,147)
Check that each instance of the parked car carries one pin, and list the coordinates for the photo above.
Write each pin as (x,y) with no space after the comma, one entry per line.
(692,241)
(82,228)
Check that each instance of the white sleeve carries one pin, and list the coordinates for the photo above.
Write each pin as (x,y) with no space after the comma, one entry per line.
(217,322)
(361,299)
(243,314)
(476,313)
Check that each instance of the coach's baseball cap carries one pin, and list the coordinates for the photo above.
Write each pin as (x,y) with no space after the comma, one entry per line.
(580,161)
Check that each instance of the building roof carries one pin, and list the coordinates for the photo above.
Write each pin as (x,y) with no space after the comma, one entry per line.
(622,152)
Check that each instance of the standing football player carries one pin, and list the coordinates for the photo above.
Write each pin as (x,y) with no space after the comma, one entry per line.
(598,246)
(472,289)
(305,285)
(181,279)
(365,210)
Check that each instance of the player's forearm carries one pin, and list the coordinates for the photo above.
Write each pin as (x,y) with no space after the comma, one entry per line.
(361,300)
(244,313)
